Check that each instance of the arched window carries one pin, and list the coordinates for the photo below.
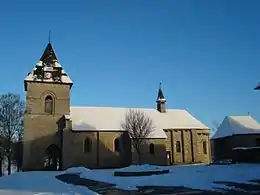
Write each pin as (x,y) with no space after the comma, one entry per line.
(87,145)
(116,145)
(178,146)
(48,107)
(151,148)
(204,147)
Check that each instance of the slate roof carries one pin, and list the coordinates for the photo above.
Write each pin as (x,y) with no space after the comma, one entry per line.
(48,63)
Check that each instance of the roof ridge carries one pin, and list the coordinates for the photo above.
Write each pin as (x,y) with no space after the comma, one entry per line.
(231,116)
(123,107)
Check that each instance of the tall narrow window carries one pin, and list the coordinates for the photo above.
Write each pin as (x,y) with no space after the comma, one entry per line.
(178,146)
(151,148)
(204,147)
(116,145)
(87,145)
(48,107)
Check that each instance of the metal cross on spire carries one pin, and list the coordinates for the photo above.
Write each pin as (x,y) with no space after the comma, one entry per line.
(49,36)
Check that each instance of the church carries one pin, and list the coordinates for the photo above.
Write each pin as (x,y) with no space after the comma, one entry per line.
(58,136)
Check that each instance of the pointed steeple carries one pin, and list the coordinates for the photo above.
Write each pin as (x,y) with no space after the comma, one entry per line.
(160,95)
(48,57)
(161,101)
(48,69)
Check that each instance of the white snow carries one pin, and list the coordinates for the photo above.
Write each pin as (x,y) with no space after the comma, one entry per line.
(57,64)
(191,176)
(140,168)
(46,68)
(246,148)
(111,118)
(38,183)
(75,170)
(39,63)
(195,176)
(64,79)
(162,100)
(67,116)
(234,125)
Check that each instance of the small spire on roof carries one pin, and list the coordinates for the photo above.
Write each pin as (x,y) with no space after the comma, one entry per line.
(161,100)
(160,95)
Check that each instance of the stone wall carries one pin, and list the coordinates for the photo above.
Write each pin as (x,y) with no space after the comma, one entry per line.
(157,158)
(102,153)
(200,136)
(37,92)
(191,146)
(40,128)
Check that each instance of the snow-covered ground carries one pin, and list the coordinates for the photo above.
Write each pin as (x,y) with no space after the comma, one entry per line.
(191,176)
(38,183)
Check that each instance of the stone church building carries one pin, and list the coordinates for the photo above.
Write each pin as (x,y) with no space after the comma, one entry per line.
(57,135)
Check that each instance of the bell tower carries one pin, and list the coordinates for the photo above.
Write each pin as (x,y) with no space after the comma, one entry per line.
(47,89)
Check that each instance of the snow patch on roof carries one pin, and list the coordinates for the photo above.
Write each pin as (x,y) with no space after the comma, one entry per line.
(246,148)
(111,118)
(235,125)
(64,78)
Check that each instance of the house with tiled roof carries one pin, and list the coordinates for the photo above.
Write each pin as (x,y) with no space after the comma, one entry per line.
(57,135)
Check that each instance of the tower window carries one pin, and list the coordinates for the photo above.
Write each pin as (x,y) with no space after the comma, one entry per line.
(87,145)
(116,145)
(151,148)
(204,147)
(178,146)
(48,107)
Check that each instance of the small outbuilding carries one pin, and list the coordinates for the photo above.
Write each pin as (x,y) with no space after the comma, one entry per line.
(235,132)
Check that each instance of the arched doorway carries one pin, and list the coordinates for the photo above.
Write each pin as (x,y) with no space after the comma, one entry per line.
(52,158)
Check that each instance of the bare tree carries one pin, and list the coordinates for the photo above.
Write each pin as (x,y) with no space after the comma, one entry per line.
(18,148)
(11,124)
(139,127)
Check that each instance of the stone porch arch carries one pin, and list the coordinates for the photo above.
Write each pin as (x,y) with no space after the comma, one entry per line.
(52,158)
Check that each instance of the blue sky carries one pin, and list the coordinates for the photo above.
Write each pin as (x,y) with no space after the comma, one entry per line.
(206,53)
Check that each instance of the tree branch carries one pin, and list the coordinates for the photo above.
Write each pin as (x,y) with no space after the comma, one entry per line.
(139,127)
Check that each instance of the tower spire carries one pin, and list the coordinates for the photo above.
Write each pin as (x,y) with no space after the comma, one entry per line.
(49,57)
(48,69)
(160,95)
(161,100)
